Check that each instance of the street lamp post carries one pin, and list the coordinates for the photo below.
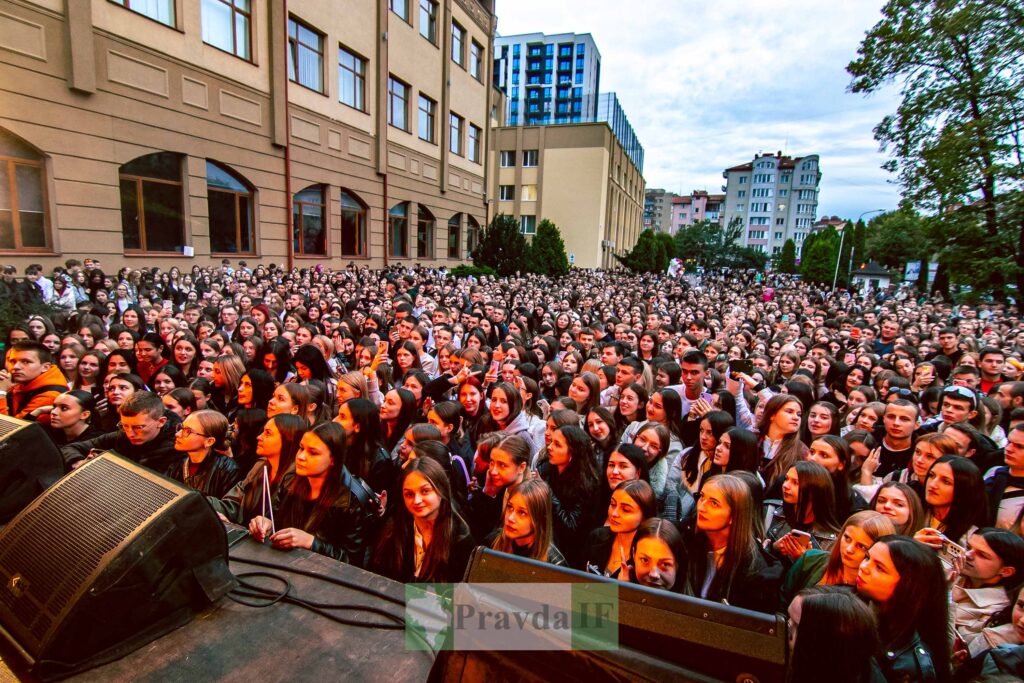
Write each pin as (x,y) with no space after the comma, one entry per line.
(842,238)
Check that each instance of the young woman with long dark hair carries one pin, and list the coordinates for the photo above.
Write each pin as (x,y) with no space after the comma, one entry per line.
(736,451)
(696,461)
(396,414)
(657,557)
(902,505)
(779,431)
(365,455)
(276,447)
(608,546)
(806,519)
(725,564)
(955,501)
(571,473)
(321,510)
(904,582)
(833,636)
(424,540)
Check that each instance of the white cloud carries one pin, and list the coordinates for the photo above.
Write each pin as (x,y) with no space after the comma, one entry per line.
(706,85)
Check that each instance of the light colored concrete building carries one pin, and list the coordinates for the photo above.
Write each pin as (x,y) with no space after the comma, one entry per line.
(776,197)
(577,176)
(694,207)
(142,131)
(658,209)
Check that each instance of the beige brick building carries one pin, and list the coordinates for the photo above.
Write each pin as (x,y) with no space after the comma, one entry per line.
(140,131)
(577,176)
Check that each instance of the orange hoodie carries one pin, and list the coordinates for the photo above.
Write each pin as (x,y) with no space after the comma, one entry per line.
(50,378)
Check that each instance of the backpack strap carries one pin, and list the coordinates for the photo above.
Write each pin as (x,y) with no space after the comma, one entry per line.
(25,397)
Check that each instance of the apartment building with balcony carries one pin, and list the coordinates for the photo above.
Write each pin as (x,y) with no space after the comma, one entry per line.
(776,198)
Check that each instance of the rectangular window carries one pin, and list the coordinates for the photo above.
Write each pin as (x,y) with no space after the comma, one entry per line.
(428,20)
(427,115)
(306,49)
(507,158)
(740,208)
(398,103)
(578,78)
(455,123)
(783,193)
(401,8)
(741,194)
(528,225)
(784,178)
(475,139)
(530,157)
(808,179)
(507,193)
(226,25)
(351,79)
(743,180)
(157,10)
(529,193)
(458,45)
(476,60)
(23,217)
(778,235)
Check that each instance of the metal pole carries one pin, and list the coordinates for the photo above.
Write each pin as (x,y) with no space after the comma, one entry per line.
(839,257)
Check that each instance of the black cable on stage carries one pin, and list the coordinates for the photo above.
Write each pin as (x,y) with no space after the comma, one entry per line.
(322,577)
(273,598)
(318,608)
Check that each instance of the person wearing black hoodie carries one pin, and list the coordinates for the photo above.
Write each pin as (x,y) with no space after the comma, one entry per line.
(146,435)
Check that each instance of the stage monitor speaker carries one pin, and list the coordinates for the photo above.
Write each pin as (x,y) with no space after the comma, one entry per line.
(106,560)
(662,636)
(29,464)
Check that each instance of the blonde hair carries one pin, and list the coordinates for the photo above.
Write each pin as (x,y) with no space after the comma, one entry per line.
(232,368)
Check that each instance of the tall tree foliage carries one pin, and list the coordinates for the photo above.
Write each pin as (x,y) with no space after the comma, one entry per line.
(818,257)
(709,244)
(502,246)
(787,258)
(647,255)
(547,251)
(955,139)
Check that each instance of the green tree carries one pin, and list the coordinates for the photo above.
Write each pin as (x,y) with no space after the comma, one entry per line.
(669,244)
(860,236)
(896,237)
(547,251)
(787,258)
(955,138)
(845,258)
(647,256)
(690,245)
(818,259)
(502,246)
(744,258)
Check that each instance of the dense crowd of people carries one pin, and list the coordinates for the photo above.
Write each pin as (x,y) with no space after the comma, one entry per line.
(853,459)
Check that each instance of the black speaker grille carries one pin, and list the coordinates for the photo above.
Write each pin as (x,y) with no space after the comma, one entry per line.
(8,425)
(109,497)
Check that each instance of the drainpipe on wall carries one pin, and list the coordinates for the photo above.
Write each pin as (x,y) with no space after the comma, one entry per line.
(289,208)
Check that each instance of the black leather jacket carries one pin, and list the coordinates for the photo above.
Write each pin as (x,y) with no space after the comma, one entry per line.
(216,475)
(342,533)
(911,663)
(245,499)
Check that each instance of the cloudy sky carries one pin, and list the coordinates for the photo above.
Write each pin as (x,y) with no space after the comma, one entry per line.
(707,85)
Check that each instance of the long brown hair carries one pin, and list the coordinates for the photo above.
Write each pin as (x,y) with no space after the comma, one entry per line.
(537,496)
(333,436)
(791,450)
(396,538)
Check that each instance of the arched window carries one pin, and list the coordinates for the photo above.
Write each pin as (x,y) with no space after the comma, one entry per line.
(424,232)
(472,235)
(353,226)
(231,204)
(309,222)
(454,234)
(24,221)
(152,203)
(398,231)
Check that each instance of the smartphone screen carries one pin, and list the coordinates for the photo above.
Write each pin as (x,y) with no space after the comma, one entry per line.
(744,366)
